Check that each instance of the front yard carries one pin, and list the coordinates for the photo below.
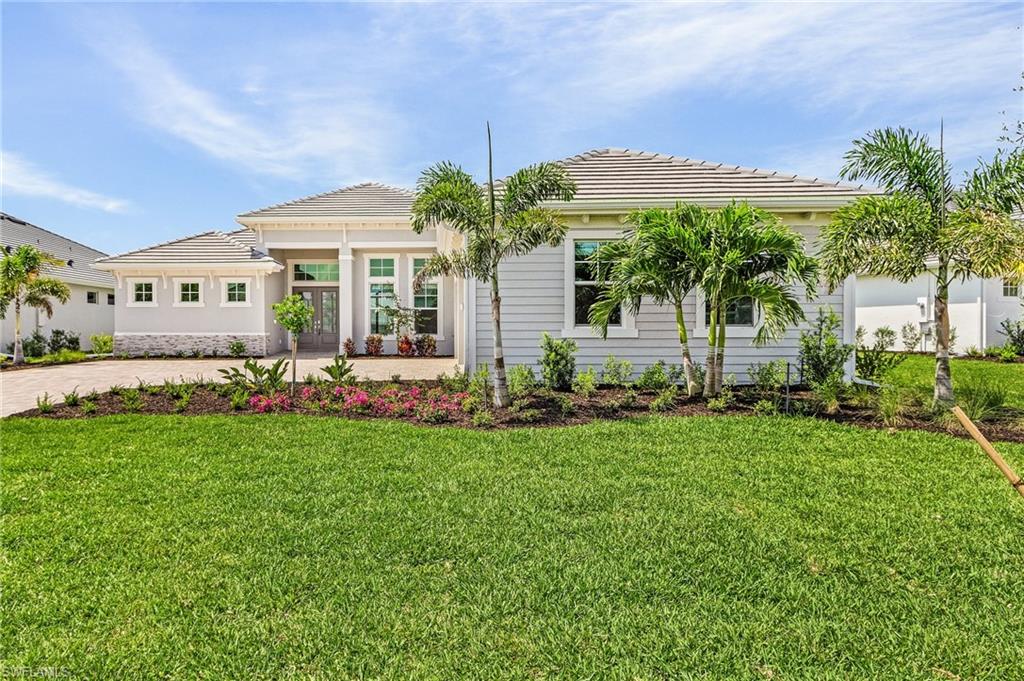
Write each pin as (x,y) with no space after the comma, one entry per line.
(284,545)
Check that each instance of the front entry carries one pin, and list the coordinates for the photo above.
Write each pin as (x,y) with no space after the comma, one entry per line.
(322,331)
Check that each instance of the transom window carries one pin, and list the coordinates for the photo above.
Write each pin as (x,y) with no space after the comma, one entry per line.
(424,301)
(382,267)
(739,312)
(315,271)
(92,297)
(236,291)
(143,291)
(1010,289)
(188,292)
(587,289)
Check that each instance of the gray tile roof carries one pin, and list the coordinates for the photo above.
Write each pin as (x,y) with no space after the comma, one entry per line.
(208,248)
(15,232)
(609,174)
(367,200)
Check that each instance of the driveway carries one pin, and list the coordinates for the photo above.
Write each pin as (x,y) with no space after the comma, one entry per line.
(19,389)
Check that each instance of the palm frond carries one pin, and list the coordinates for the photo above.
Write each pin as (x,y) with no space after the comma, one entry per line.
(448,194)
(528,229)
(983,244)
(528,187)
(459,263)
(900,160)
(997,186)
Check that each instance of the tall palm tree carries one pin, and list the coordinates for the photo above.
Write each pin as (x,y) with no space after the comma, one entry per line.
(22,283)
(923,224)
(661,257)
(751,255)
(495,224)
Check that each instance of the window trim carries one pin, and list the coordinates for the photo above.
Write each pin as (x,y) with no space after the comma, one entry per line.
(412,257)
(732,330)
(95,297)
(569,327)
(177,301)
(367,280)
(224,281)
(292,262)
(132,281)
(1005,283)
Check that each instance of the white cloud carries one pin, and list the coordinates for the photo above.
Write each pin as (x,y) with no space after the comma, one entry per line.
(23,178)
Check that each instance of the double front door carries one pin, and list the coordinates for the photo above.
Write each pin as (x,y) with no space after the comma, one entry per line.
(322,331)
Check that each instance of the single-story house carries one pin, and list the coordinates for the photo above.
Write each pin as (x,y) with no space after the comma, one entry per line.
(90,309)
(351,250)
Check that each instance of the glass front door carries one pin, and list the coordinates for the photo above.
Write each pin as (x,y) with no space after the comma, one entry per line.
(322,331)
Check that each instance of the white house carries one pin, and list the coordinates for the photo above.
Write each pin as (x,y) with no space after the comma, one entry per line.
(349,252)
(91,307)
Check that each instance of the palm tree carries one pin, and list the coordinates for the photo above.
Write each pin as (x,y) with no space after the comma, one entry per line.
(662,257)
(752,256)
(495,225)
(925,225)
(22,283)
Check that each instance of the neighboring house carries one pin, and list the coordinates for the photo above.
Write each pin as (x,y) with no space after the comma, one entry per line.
(91,307)
(349,251)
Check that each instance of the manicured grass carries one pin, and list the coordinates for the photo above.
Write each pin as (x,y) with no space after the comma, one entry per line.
(918,371)
(296,546)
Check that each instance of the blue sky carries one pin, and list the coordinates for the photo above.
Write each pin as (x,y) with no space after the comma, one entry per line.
(125,125)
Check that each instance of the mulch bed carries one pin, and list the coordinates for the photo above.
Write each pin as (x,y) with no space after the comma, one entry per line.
(539,410)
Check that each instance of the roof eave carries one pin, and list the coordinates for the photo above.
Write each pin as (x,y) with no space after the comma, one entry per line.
(162,266)
(252,220)
(800,203)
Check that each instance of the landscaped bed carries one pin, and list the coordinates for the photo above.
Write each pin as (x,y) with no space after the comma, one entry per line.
(285,546)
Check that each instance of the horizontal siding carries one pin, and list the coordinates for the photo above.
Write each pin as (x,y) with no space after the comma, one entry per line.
(533,302)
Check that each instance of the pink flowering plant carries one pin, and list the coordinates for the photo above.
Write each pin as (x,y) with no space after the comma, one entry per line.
(429,405)
(263,404)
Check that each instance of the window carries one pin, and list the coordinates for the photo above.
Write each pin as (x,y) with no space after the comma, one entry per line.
(424,301)
(92,297)
(234,293)
(110,299)
(380,274)
(586,289)
(143,292)
(382,267)
(1010,289)
(315,271)
(739,312)
(188,292)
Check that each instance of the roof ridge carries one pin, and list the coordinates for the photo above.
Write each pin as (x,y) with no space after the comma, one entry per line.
(162,243)
(251,249)
(339,190)
(50,231)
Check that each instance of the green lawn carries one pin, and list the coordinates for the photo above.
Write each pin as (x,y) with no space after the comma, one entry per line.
(289,546)
(919,371)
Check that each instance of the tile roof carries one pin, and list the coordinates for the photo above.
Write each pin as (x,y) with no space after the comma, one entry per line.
(15,232)
(208,248)
(367,200)
(609,174)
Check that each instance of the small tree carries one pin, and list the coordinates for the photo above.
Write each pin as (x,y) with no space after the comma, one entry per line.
(294,315)
(22,283)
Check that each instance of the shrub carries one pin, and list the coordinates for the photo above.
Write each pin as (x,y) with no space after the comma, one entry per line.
(480,384)
(974,353)
(616,371)
(265,404)
(236,348)
(181,404)
(910,334)
(666,399)
(72,399)
(521,381)
(564,404)
(982,400)
(349,347)
(828,394)
(426,345)
(875,361)
(374,344)
(33,346)
(239,399)
(1006,353)
(768,378)
(652,378)
(255,378)
(44,404)
(483,419)
(88,407)
(822,352)
(406,348)
(718,404)
(528,415)
(892,404)
(102,343)
(557,361)
(340,371)
(766,408)
(131,400)
(63,340)
(456,383)
(472,404)
(1014,332)
(585,383)
(64,356)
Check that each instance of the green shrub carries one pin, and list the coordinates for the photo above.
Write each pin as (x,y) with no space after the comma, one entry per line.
(63,340)
(131,400)
(666,399)
(72,399)
(557,361)
(239,399)
(64,356)
(340,371)
(981,400)
(718,404)
(44,404)
(456,383)
(472,404)
(521,381)
(181,404)
(102,343)
(518,405)
(910,334)
(822,352)
(768,378)
(616,372)
(34,345)
(480,384)
(585,383)
(88,407)
(892,404)
(652,378)
(483,418)
(876,360)
(236,348)
(528,415)
(828,394)
(256,378)
(565,404)
(1006,353)
(766,408)
(1014,332)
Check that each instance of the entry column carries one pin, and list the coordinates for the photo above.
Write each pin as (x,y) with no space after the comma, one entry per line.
(346,277)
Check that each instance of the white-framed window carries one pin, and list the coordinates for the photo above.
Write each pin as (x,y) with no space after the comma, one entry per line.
(381,289)
(1011,289)
(741,318)
(142,292)
(235,292)
(316,271)
(92,297)
(188,292)
(582,290)
(110,299)
(426,300)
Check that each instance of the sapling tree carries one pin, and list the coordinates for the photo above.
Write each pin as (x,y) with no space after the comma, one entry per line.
(22,284)
(293,314)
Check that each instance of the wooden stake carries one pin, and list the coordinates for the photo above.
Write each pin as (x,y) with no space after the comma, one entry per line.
(1014,479)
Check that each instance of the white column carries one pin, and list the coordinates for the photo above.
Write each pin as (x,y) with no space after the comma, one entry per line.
(346,294)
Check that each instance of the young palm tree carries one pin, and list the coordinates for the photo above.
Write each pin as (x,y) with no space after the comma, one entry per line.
(663,258)
(925,225)
(751,255)
(495,225)
(22,283)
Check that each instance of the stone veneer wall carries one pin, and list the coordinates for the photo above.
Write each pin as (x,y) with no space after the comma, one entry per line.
(173,344)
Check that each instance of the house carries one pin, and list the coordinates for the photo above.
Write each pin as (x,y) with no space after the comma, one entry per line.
(349,252)
(90,309)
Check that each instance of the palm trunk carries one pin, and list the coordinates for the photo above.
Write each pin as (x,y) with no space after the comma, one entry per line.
(501,398)
(720,353)
(709,362)
(684,343)
(295,352)
(943,379)
(19,355)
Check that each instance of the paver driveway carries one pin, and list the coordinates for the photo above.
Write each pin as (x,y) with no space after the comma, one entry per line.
(19,389)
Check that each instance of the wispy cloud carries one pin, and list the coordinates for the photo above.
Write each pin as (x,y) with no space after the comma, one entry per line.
(23,178)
